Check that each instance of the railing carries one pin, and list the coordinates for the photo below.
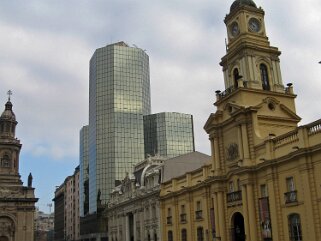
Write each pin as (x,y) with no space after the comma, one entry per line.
(286,139)
(183,218)
(198,214)
(314,127)
(169,220)
(234,196)
(290,197)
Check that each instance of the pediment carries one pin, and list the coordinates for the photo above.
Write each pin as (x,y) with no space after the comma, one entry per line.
(271,108)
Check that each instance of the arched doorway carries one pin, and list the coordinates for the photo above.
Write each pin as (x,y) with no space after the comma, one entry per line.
(238,231)
(4,238)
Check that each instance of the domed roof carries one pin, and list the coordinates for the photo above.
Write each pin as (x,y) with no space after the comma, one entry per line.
(238,3)
(8,114)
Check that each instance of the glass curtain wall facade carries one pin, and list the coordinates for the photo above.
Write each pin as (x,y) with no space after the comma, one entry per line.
(119,96)
(168,134)
(84,171)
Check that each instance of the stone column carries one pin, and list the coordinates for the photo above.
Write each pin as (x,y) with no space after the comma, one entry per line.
(245,213)
(245,144)
(217,155)
(221,215)
(251,212)
(127,238)
(216,216)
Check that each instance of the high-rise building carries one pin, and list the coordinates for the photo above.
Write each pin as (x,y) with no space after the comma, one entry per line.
(119,96)
(168,134)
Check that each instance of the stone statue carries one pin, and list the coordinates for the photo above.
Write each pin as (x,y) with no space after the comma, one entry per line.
(30,180)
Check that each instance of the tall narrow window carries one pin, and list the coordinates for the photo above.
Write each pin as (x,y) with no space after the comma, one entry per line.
(200,234)
(184,235)
(264,77)
(236,77)
(290,184)
(295,227)
(231,186)
(170,235)
(264,191)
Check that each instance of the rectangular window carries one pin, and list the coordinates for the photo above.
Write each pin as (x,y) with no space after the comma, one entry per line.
(231,186)
(264,191)
(290,184)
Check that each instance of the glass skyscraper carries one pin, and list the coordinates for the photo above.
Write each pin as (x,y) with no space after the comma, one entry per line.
(119,96)
(168,134)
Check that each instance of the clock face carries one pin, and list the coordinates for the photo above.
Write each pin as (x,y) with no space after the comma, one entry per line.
(254,25)
(234,28)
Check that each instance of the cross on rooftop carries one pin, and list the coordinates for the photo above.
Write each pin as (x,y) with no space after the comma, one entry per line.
(9,93)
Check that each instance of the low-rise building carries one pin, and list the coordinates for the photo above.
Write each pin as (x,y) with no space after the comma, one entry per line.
(133,211)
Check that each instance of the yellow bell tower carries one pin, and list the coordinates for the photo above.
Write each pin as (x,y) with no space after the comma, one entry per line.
(255,104)
(249,53)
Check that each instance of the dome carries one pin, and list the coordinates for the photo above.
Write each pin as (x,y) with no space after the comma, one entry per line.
(238,3)
(8,114)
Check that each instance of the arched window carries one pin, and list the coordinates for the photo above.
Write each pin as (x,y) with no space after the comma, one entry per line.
(264,77)
(200,234)
(170,235)
(184,235)
(295,227)
(236,77)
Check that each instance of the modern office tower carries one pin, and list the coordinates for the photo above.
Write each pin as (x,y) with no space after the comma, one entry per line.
(119,96)
(168,134)
(84,171)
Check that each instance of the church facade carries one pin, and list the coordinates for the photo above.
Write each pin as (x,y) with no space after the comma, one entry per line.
(264,181)
(17,202)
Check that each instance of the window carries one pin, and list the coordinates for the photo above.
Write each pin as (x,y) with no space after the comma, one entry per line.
(231,186)
(198,206)
(170,235)
(295,227)
(200,234)
(290,184)
(236,77)
(183,214)
(238,185)
(198,212)
(5,162)
(264,191)
(184,235)
(169,216)
(264,77)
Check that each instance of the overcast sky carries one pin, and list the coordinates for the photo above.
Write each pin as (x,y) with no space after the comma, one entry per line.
(45,47)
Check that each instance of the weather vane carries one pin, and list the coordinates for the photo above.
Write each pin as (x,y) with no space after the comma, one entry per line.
(9,94)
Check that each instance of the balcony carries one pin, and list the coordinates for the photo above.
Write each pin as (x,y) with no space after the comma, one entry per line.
(183,218)
(169,220)
(234,196)
(199,214)
(290,197)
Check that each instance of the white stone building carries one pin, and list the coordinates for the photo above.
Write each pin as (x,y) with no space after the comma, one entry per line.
(133,211)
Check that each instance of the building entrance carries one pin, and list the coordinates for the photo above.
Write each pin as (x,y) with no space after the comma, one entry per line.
(4,238)
(238,232)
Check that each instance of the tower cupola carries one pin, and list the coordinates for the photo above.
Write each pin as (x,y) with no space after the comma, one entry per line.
(238,3)
(8,120)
